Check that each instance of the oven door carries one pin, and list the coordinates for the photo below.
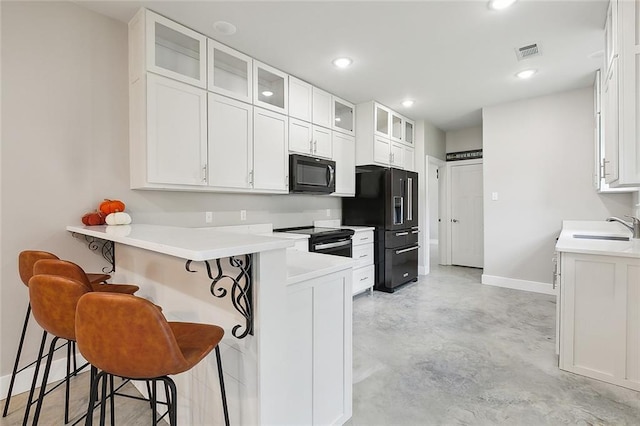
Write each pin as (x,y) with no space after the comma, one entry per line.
(311,175)
(336,248)
(401,265)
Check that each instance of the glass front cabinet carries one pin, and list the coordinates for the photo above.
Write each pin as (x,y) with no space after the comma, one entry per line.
(230,72)
(175,51)
(343,116)
(270,88)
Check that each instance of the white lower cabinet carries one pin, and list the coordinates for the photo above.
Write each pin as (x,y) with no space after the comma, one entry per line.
(320,326)
(168,134)
(363,254)
(600,317)
(344,154)
(230,143)
(270,150)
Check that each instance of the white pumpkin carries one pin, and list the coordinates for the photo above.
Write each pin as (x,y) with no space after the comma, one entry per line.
(118,218)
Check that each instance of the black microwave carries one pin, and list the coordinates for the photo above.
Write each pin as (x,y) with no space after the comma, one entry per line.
(311,175)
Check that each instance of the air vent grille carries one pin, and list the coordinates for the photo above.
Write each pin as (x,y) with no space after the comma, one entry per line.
(528,51)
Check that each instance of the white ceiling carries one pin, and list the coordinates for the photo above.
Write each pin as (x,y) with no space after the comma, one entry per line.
(452,57)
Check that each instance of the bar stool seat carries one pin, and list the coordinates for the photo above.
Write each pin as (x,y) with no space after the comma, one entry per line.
(126,336)
(26,262)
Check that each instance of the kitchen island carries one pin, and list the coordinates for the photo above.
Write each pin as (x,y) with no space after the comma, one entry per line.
(286,315)
(598,327)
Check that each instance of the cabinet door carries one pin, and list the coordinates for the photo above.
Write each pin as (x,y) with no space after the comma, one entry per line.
(176,132)
(300,96)
(611,35)
(408,158)
(344,154)
(610,113)
(270,150)
(270,88)
(230,72)
(175,51)
(408,132)
(397,155)
(343,116)
(230,142)
(321,142)
(382,150)
(397,127)
(322,110)
(382,119)
(300,136)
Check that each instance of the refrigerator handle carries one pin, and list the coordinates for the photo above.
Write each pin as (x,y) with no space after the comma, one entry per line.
(409,199)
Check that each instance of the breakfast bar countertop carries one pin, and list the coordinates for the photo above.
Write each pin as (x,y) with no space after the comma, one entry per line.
(197,244)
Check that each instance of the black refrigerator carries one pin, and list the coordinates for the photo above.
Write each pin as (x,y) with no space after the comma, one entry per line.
(387,199)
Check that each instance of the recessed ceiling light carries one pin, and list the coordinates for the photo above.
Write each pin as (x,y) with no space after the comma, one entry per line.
(224,27)
(267,93)
(500,4)
(342,62)
(526,74)
(338,119)
(408,103)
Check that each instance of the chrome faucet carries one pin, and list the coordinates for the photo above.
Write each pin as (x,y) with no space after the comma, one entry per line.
(634,227)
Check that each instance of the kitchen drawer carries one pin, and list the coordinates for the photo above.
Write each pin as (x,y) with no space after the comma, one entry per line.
(363,278)
(362,237)
(400,238)
(363,255)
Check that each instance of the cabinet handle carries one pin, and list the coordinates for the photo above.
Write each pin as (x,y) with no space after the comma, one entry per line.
(604,167)
(315,147)
(311,146)
(364,279)
(362,255)
(401,234)
(204,173)
(251,177)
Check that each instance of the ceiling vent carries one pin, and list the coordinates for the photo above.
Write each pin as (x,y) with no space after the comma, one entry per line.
(528,51)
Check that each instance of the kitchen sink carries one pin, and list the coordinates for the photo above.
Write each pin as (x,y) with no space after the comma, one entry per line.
(601,237)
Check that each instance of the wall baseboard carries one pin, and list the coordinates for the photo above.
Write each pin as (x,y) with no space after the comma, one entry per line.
(422,270)
(23,379)
(532,286)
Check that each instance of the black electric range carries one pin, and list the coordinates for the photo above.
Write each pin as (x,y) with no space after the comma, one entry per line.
(335,241)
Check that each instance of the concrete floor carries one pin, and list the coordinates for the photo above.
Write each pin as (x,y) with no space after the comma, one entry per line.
(446,350)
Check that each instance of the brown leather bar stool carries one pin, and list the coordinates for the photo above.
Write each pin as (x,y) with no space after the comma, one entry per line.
(53,302)
(26,260)
(126,336)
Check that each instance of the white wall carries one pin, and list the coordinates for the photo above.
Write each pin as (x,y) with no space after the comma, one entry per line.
(65,148)
(464,139)
(538,157)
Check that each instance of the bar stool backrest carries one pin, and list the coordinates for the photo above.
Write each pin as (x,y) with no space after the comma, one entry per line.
(63,268)
(26,261)
(127,336)
(53,303)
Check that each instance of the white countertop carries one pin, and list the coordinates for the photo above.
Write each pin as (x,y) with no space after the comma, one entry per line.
(567,243)
(303,266)
(187,243)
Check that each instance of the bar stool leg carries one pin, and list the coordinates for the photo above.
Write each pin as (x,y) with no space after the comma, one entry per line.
(67,385)
(45,376)
(34,381)
(95,381)
(222,390)
(15,365)
(112,404)
(172,403)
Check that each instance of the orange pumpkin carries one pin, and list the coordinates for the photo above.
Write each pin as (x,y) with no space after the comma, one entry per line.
(111,206)
(93,218)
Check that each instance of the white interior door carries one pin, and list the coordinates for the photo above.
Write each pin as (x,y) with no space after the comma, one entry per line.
(467,222)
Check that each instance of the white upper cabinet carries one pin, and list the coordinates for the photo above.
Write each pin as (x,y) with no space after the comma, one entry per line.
(321,142)
(397,127)
(176,129)
(230,143)
(409,133)
(270,88)
(344,154)
(343,116)
(300,136)
(270,151)
(175,51)
(382,120)
(230,72)
(611,35)
(322,109)
(375,143)
(300,99)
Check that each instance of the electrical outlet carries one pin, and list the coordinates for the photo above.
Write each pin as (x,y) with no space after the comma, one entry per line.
(243,215)
(328,212)
(208,217)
